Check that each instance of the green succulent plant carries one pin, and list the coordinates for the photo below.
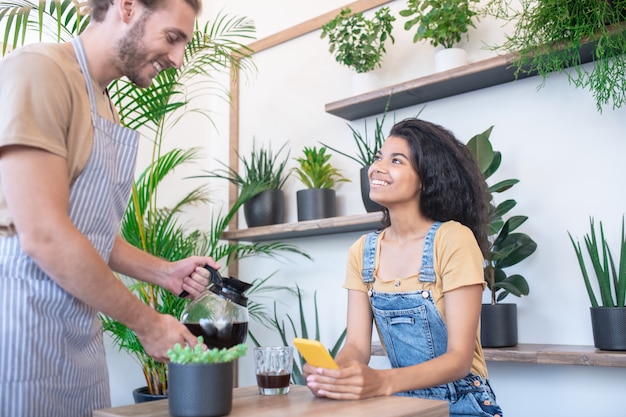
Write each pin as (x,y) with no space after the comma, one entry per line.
(506,248)
(611,281)
(358,42)
(315,169)
(187,354)
(441,22)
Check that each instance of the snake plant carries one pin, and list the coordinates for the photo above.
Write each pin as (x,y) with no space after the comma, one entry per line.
(611,281)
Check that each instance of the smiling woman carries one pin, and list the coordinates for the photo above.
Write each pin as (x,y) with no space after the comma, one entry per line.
(426,307)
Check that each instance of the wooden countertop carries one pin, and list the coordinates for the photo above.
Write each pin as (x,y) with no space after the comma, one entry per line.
(300,401)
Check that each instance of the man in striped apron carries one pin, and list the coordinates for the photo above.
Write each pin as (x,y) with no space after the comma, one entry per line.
(66,168)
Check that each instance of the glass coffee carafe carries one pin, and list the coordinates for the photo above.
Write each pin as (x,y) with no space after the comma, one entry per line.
(220,313)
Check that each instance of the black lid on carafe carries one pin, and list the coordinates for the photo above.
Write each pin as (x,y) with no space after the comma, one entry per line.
(230,288)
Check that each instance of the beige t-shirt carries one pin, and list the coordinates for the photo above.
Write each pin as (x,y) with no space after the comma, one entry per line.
(458,262)
(45,105)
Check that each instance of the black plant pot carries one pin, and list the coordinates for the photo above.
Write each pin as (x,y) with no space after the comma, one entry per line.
(609,327)
(316,203)
(498,325)
(370,206)
(142,395)
(200,390)
(265,208)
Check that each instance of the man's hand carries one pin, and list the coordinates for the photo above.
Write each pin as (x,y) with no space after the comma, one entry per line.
(190,276)
(161,334)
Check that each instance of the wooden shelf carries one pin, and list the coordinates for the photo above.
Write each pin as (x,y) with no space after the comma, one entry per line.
(471,77)
(331,225)
(547,355)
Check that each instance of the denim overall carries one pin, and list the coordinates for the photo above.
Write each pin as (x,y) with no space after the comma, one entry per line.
(413,331)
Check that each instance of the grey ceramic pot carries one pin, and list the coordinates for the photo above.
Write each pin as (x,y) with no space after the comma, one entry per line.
(370,206)
(265,208)
(498,325)
(200,390)
(609,327)
(142,395)
(316,203)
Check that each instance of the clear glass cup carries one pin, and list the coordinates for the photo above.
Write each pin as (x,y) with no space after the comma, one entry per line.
(273,365)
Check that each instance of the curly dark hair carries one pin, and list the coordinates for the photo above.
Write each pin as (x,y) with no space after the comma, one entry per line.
(453,187)
(98,8)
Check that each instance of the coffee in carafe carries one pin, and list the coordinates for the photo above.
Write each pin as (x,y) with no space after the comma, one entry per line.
(219,314)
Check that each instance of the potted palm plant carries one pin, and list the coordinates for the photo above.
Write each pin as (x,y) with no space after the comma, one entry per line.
(442,22)
(358,42)
(499,320)
(159,231)
(608,317)
(264,176)
(318,200)
(201,381)
(552,36)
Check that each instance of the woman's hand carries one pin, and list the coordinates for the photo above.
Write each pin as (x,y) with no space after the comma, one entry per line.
(352,381)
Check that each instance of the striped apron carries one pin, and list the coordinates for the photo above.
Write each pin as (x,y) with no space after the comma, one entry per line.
(52,359)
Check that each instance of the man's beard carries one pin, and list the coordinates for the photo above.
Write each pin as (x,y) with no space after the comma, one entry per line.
(131,55)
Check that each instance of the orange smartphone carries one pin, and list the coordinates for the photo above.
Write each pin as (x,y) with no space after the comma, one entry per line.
(314,352)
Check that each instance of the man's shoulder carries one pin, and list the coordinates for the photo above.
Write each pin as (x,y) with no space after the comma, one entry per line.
(39,56)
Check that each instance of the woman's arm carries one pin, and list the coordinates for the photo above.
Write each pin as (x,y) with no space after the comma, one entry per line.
(355,380)
(359,330)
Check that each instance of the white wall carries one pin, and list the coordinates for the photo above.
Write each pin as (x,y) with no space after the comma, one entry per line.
(567,156)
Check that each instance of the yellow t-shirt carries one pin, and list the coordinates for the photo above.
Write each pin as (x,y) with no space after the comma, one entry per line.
(458,262)
(45,105)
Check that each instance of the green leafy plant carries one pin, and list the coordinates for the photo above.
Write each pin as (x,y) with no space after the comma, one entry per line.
(56,20)
(296,373)
(442,22)
(611,281)
(548,35)
(187,354)
(262,170)
(506,248)
(315,169)
(358,42)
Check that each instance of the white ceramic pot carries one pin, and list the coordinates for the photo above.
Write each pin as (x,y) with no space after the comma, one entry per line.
(449,58)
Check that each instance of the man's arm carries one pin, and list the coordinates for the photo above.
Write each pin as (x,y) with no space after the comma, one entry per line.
(37,191)
(187,274)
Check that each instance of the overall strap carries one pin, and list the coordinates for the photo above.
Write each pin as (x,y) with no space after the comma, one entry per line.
(427,270)
(369,256)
